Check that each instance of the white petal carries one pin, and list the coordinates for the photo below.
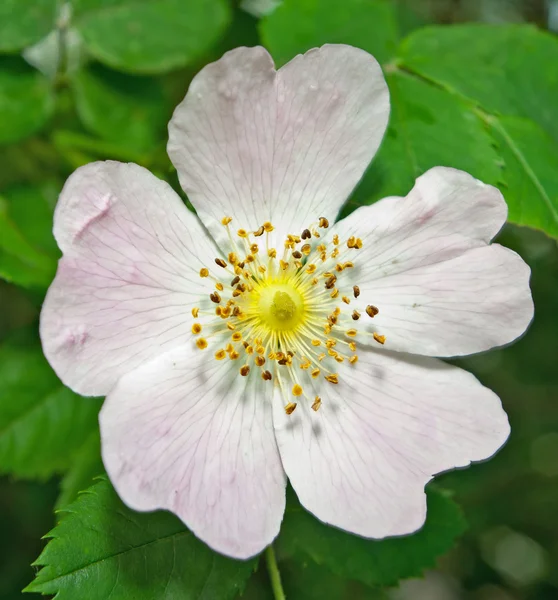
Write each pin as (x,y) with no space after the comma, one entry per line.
(426,263)
(287,146)
(362,460)
(188,434)
(129,276)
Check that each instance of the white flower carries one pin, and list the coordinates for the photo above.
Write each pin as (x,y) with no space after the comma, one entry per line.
(276,343)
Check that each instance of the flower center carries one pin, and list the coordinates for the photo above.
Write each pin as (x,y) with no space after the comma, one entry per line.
(280,306)
(288,318)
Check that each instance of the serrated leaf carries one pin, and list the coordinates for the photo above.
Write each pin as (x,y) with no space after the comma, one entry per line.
(121,108)
(298,25)
(42,423)
(374,563)
(23,23)
(428,127)
(102,549)
(26,100)
(150,36)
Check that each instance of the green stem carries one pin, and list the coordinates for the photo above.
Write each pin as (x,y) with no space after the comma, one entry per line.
(274,574)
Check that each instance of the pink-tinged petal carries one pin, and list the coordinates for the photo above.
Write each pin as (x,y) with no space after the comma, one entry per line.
(189,434)
(286,146)
(362,460)
(128,278)
(427,265)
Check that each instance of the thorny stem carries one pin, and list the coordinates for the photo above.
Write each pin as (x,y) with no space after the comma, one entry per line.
(274,574)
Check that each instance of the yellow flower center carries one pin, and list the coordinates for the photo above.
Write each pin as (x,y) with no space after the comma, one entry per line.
(288,318)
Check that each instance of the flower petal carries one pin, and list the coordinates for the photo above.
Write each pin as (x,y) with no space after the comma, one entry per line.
(426,263)
(362,460)
(190,435)
(129,276)
(286,146)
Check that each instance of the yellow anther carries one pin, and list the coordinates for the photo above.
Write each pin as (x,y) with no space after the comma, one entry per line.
(358,244)
(336,239)
(351,242)
(233,258)
(249,349)
(333,378)
(237,270)
(249,258)
(262,269)
(220,354)
(311,268)
(351,332)
(268,226)
(323,222)
(254,248)
(337,311)
(233,355)
(321,356)
(334,293)
(327,329)
(381,339)
(356,315)
(317,403)
(316,343)
(315,373)
(348,265)
(219,286)
(226,220)
(231,326)
(284,265)
(353,359)
(214,297)
(332,352)
(201,343)
(297,390)
(229,347)
(338,267)
(195,312)
(339,358)
(196,328)
(204,272)
(272,253)
(371,310)
(244,370)
(314,281)
(346,300)
(259,231)
(290,407)
(305,364)
(353,346)
(236,336)
(335,253)
(226,312)
(272,356)
(242,233)
(306,249)
(330,343)
(260,361)
(259,348)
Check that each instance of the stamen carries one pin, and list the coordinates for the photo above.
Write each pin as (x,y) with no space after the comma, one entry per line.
(381,339)
(290,408)
(371,310)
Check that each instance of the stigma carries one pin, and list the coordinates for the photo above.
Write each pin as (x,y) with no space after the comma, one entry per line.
(288,315)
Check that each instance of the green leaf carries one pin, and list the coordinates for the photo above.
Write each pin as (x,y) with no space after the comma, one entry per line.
(298,25)
(42,423)
(428,127)
(531,182)
(28,252)
(24,22)
(506,69)
(86,466)
(26,100)
(121,108)
(102,549)
(150,36)
(508,75)
(375,563)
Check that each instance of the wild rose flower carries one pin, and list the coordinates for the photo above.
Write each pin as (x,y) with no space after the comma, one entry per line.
(260,340)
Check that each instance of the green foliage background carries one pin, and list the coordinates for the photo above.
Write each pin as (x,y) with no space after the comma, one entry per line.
(98,79)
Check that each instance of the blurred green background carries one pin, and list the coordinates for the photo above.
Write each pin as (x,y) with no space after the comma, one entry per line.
(98,79)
